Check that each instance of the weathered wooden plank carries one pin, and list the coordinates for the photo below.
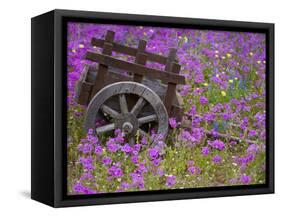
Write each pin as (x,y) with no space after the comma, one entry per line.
(171,89)
(140,59)
(103,68)
(170,59)
(130,51)
(85,91)
(136,68)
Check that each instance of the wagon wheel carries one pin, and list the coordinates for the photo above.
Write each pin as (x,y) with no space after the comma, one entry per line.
(129,119)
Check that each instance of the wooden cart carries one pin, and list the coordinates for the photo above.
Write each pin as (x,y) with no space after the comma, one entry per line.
(128,95)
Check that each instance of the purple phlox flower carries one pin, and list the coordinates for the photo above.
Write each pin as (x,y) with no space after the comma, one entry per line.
(119,136)
(126,148)
(185,90)
(153,153)
(156,162)
(137,180)
(198,91)
(144,140)
(106,160)
(186,135)
(135,159)
(86,176)
(252,133)
(87,148)
(217,144)
(246,159)
(198,133)
(245,179)
(217,159)
(190,163)
(115,171)
(192,110)
(209,116)
(226,116)
(142,168)
(170,180)
(86,160)
(137,147)
(125,185)
(98,150)
(160,172)
(196,121)
(252,149)
(90,131)
(203,100)
(93,139)
(217,108)
(205,151)
(78,187)
(80,147)
(233,181)
(112,146)
(172,122)
(194,170)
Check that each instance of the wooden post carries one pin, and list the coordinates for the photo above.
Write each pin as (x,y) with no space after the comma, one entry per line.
(141,58)
(103,69)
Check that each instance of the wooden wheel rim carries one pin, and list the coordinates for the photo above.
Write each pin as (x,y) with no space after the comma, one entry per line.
(127,87)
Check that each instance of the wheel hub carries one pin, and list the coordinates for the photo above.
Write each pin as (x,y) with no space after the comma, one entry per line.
(127,127)
(128,123)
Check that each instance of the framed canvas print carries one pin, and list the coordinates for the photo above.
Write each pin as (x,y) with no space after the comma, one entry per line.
(132,108)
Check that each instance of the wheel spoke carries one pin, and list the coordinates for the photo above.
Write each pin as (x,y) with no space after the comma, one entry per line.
(138,106)
(105,128)
(106,109)
(123,104)
(147,119)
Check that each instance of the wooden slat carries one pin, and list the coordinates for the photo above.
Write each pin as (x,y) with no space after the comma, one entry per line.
(136,68)
(103,68)
(140,59)
(130,51)
(170,59)
(85,91)
(171,89)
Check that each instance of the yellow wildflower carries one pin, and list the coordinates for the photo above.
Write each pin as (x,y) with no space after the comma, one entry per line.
(230,81)
(228,55)
(251,53)
(81,45)
(73,51)
(206,84)
(236,78)
(259,62)
(223,93)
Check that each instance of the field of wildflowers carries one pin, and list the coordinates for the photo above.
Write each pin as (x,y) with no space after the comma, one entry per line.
(224,106)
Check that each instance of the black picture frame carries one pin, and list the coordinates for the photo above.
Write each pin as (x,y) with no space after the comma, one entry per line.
(48,148)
